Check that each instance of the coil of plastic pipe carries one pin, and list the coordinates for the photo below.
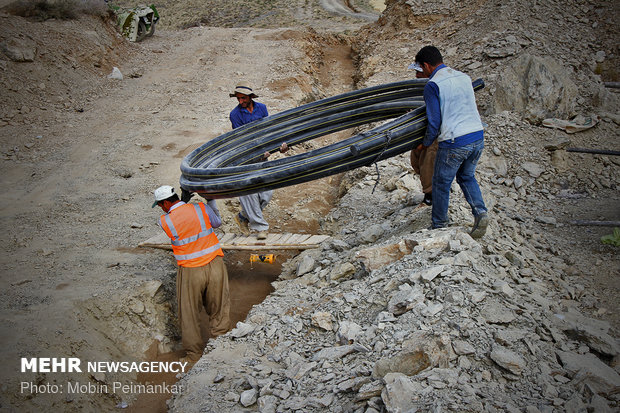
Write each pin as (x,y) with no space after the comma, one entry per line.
(229,165)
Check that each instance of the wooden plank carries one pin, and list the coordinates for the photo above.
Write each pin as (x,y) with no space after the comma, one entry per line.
(271,238)
(284,238)
(160,240)
(298,238)
(316,239)
(241,240)
(227,237)
(280,239)
(232,241)
(298,247)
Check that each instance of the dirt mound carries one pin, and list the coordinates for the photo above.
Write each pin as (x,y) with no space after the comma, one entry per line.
(328,15)
(55,64)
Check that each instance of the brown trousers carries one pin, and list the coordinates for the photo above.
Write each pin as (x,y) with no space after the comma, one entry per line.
(423,164)
(197,287)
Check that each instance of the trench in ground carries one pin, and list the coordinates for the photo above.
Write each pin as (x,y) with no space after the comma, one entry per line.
(250,283)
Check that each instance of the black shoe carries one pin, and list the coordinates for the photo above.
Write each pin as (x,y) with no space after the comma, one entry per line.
(428,199)
(480,225)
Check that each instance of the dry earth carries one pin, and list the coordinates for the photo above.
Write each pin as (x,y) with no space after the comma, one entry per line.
(81,154)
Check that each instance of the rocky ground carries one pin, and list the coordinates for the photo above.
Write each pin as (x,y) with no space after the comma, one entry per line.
(387,316)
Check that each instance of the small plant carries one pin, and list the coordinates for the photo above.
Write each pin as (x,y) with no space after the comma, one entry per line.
(612,239)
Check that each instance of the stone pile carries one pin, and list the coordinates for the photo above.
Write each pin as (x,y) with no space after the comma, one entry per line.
(390,316)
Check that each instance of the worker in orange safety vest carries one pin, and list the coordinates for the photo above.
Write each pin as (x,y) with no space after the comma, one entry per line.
(202,278)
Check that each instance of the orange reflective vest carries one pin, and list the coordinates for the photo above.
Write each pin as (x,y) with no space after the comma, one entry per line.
(194,243)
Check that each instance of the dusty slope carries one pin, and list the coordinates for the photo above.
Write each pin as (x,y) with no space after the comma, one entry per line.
(324,15)
(82,153)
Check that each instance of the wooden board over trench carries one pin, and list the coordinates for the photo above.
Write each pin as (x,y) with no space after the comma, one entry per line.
(231,241)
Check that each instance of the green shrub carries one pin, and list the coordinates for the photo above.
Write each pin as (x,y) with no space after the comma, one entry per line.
(612,239)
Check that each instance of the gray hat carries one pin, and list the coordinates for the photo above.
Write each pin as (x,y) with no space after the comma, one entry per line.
(245,89)
(415,66)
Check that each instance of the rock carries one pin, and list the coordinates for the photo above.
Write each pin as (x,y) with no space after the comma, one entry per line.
(267,404)
(306,265)
(241,330)
(504,288)
(588,370)
(150,288)
(385,317)
(537,87)
(337,352)
(477,296)
(462,347)
(432,309)
(534,169)
(598,404)
(441,378)
(299,370)
(369,390)
(507,359)
(350,385)
(546,220)
(137,307)
(323,320)
(405,299)
(339,245)
(422,351)
(518,182)
(594,333)
(342,270)
(116,74)
(19,50)
(372,234)
(408,183)
(248,397)
(495,312)
(509,337)
(400,393)
(465,258)
(559,143)
(429,274)
(378,257)
(499,165)
(437,239)
(348,332)
(560,160)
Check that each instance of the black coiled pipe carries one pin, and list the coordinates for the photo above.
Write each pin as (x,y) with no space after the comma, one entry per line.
(229,166)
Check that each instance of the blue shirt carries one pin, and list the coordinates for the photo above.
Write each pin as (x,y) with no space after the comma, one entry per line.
(240,116)
(433,116)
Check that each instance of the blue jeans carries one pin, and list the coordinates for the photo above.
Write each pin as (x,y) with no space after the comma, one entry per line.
(460,163)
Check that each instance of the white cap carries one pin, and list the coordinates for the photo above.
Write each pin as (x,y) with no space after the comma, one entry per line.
(415,66)
(161,193)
